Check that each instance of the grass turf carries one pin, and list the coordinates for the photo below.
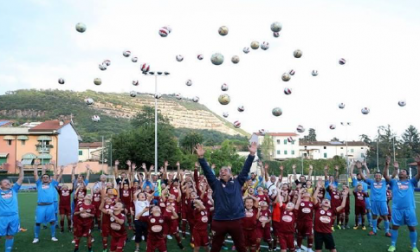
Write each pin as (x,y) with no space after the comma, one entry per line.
(346,240)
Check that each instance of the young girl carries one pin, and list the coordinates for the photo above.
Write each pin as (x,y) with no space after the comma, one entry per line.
(201,238)
(286,227)
(359,206)
(249,222)
(85,213)
(118,232)
(107,205)
(141,203)
(305,213)
(263,225)
(65,206)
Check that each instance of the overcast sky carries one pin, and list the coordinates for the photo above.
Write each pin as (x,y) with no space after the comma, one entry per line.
(379,39)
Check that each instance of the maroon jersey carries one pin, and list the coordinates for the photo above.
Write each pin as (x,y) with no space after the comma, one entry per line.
(263,198)
(117,230)
(125,196)
(106,217)
(287,220)
(292,195)
(388,196)
(207,202)
(80,193)
(359,198)
(166,212)
(249,222)
(96,200)
(90,209)
(65,197)
(200,219)
(155,227)
(335,198)
(174,191)
(306,211)
(324,219)
(264,215)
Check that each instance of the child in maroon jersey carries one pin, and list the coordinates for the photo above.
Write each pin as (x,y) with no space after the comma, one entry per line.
(388,198)
(118,232)
(261,196)
(201,238)
(304,207)
(106,207)
(249,222)
(97,203)
(126,200)
(263,225)
(343,219)
(85,213)
(76,218)
(359,205)
(335,199)
(65,206)
(324,221)
(286,227)
(171,223)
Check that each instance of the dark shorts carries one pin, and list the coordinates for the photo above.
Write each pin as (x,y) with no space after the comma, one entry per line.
(201,238)
(321,238)
(287,241)
(250,237)
(64,210)
(304,228)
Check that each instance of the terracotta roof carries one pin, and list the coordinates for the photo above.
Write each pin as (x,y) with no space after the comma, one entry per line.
(284,134)
(90,145)
(331,143)
(49,125)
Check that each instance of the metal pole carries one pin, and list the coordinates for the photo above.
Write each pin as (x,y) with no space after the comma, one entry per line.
(393,146)
(302,165)
(102,153)
(377,153)
(156,128)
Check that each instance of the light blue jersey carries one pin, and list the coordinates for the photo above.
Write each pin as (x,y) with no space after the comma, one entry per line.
(403,193)
(9,201)
(46,192)
(327,184)
(355,182)
(377,190)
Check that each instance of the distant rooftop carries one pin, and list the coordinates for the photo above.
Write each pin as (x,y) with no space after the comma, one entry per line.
(284,134)
(49,125)
(90,145)
(332,143)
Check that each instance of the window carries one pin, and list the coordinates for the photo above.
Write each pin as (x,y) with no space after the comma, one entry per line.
(9,142)
(293,142)
(285,152)
(361,148)
(352,150)
(278,141)
(80,152)
(3,160)
(285,141)
(293,152)
(45,161)
(325,155)
(341,148)
(278,152)
(23,142)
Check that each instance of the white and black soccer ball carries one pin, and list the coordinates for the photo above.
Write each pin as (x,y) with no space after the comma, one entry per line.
(332,126)
(341,106)
(314,73)
(135,82)
(89,101)
(168,28)
(133,94)
(102,67)
(292,72)
(163,32)
(126,53)
(223,30)
(178,96)
(265,45)
(235,59)
(365,110)
(96,118)
(285,77)
(61,81)
(277,111)
(246,50)
(189,83)
(217,59)
(276,34)
(225,114)
(237,124)
(255,45)
(158,96)
(287,91)
(297,53)
(241,108)
(97,81)
(402,103)
(179,58)
(262,131)
(80,27)
(107,62)
(224,99)
(342,61)
(134,59)
(145,68)
(290,139)
(196,99)
(200,57)
(224,87)
(276,27)
(300,129)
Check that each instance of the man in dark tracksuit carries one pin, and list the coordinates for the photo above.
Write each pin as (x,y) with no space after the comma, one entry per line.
(228,204)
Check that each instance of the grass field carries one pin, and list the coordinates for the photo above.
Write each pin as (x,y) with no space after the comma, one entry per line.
(346,240)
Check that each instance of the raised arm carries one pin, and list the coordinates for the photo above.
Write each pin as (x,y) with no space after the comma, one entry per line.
(281,173)
(61,173)
(417,159)
(294,172)
(299,199)
(178,169)
(117,162)
(266,174)
(88,174)
(386,169)
(337,174)
(343,202)
(326,173)
(211,178)
(21,173)
(311,168)
(36,163)
(165,170)
(243,175)
(73,169)
(54,168)
(359,170)
(315,196)
(351,169)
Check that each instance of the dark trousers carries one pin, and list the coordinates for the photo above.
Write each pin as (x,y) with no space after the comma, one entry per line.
(141,230)
(222,228)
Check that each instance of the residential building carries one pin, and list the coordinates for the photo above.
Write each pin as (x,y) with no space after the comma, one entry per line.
(90,151)
(283,148)
(356,150)
(47,141)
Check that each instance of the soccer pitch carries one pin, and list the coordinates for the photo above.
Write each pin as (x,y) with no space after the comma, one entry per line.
(346,240)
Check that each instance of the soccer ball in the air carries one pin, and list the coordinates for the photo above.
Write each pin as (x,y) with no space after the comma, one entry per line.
(102,67)
(133,93)
(89,101)
(145,68)
(200,56)
(300,129)
(134,59)
(365,110)
(276,34)
(168,28)
(237,124)
(341,105)
(292,72)
(80,27)
(265,45)
(223,30)
(262,131)
(276,27)
(332,126)
(217,59)
(179,58)
(135,82)
(342,61)
(178,96)
(225,114)
(297,53)
(241,108)
(126,53)
(224,99)
(189,83)
(196,99)
(235,59)
(158,95)
(246,50)
(277,111)
(401,103)
(255,45)
(225,87)
(287,91)
(163,32)
(61,81)
(285,77)
(97,81)
(315,73)
(96,118)
(107,63)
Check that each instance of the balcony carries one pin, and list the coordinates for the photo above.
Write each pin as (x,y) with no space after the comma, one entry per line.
(41,148)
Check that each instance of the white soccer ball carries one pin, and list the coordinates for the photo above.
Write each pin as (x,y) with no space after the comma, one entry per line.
(178,96)
(200,57)
(217,59)
(133,93)
(285,77)
(126,53)
(135,82)
(96,118)
(223,30)
(365,110)
(290,139)
(402,103)
(297,53)
(97,81)
(107,62)
(300,129)
(341,105)
(246,50)
(265,45)
(277,111)
(189,83)
(225,87)
(89,101)
(196,99)
(255,45)
(237,124)
(287,91)
(102,67)
(179,58)
(145,68)
(158,96)
(342,61)
(241,108)
(276,27)
(332,126)
(168,28)
(235,59)
(163,32)
(262,131)
(315,73)
(134,59)
(276,34)
(224,99)
(292,72)
(80,27)
(61,81)
(225,114)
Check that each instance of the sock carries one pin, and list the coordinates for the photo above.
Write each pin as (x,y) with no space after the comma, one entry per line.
(89,241)
(37,230)
(359,219)
(369,217)
(178,238)
(347,219)
(310,242)
(105,243)
(62,223)
(386,225)
(394,237)
(68,222)
(299,241)
(9,245)
(375,224)
(413,239)
(76,243)
(52,229)
(379,221)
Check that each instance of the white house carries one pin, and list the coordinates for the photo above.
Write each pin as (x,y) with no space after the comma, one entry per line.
(90,151)
(356,150)
(283,149)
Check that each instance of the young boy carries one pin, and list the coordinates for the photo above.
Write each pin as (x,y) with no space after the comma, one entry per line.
(65,206)
(118,232)
(304,207)
(286,228)
(263,225)
(85,213)
(201,238)
(359,206)
(249,223)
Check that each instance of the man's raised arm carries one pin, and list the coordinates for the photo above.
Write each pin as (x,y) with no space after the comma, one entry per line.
(385,172)
(417,159)
(211,178)
(242,177)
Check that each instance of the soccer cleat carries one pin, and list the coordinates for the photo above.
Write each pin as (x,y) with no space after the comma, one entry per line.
(169,237)
(391,248)
(339,227)
(363,228)
(93,239)
(415,250)
(73,241)
(371,233)
(133,238)
(90,250)
(388,234)
(76,250)
(54,239)
(36,240)
(347,227)
(355,227)
(192,245)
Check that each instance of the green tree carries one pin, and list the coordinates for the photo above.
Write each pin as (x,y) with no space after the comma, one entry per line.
(146,117)
(311,135)
(189,141)
(411,141)
(267,147)
(227,156)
